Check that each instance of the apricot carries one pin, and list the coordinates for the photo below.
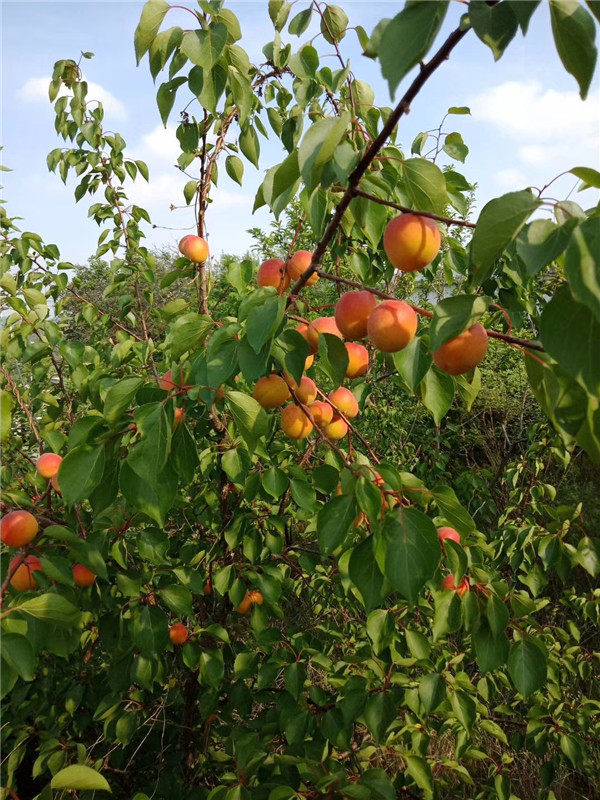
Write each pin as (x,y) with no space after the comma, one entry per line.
(336,429)
(207,588)
(18,528)
(463,353)
(298,263)
(271,391)
(322,413)
(392,326)
(55,483)
(168,384)
(82,575)
(352,313)
(306,391)
(256,597)
(411,242)
(272,272)
(295,423)
(344,401)
(23,578)
(358,360)
(448,533)
(195,248)
(309,362)
(178,417)
(246,604)
(462,588)
(178,633)
(47,464)
(318,326)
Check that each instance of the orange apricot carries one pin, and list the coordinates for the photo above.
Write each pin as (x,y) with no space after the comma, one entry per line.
(392,326)
(207,588)
(463,353)
(306,391)
(295,423)
(272,272)
(195,248)
(47,464)
(55,483)
(462,588)
(168,384)
(336,429)
(256,597)
(82,575)
(23,578)
(298,263)
(18,528)
(448,533)
(344,401)
(411,242)
(178,417)
(352,313)
(318,326)
(246,604)
(358,360)
(322,413)
(271,391)
(178,633)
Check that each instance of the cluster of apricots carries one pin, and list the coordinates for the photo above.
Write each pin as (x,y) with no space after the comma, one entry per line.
(178,633)
(19,528)
(448,582)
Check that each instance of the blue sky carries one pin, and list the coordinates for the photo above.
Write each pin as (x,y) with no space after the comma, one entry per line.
(527,124)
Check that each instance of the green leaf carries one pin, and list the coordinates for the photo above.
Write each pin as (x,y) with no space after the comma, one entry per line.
(149,456)
(451,509)
(333,358)
(459,110)
(420,771)
(209,84)
(236,464)
(119,397)
(527,665)
(454,315)
(380,629)
(263,320)
(541,242)
(80,472)
(491,652)
(455,147)
(275,482)
(497,615)
(249,144)
(465,709)
(300,22)
(407,39)
(424,181)
(6,405)
(570,333)
(432,691)
(379,714)
(523,11)
(18,654)
(150,21)
(78,777)
(574,34)
(305,62)
(413,363)
(333,24)
(334,521)
(250,418)
(408,551)
(588,555)
(278,12)
(495,25)
(448,613)
(165,97)
(178,599)
(437,390)
(499,223)
(234,166)
(582,264)
(377,784)
(52,607)
(365,574)
(150,629)
(187,333)
(318,145)
(154,500)
(204,47)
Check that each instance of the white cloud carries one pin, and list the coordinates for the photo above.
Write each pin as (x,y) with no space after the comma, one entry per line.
(35,90)
(510,177)
(159,146)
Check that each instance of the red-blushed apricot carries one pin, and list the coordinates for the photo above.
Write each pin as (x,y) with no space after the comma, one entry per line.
(178,633)
(55,483)
(352,313)
(246,604)
(344,401)
(168,384)
(322,413)
(336,429)
(256,597)
(308,362)
(411,242)
(82,575)
(272,272)
(195,248)
(178,417)
(392,326)
(298,263)
(47,464)
(318,326)
(448,533)
(306,391)
(271,391)
(462,588)
(23,577)
(18,528)
(295,423)
(207,588)
(358,360)
(463,353)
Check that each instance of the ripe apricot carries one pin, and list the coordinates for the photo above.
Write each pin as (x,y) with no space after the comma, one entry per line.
(322,413)
(256,597)
(18,528)
(178,633)
(47,464)
(82,575)
(207,588)
(462,588)
(295,423)
(195,248)
(306,391)
(23,578)
(168,384)
(246,604)
(344,401)
(392,326)
(55,483)
(358,360)
(271,391)
(272,272)
(308,362)
(411,242)
(448,533)
(336,429)
(463,353)
(352,313)
(298,263)
(178,417)
(318,326)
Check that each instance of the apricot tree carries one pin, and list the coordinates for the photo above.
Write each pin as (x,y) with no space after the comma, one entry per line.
(223,587)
